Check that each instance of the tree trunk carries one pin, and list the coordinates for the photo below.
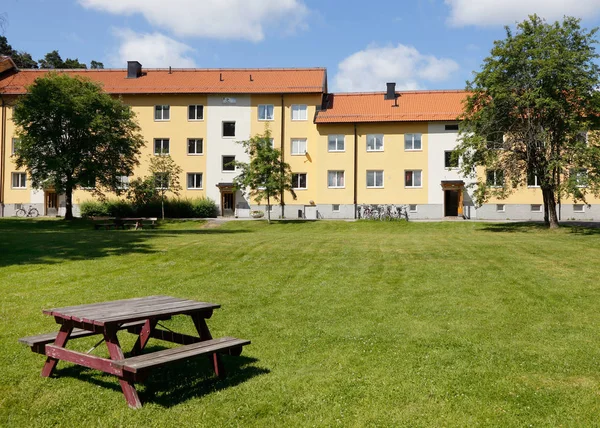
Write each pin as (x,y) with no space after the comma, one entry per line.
(162,207)
(268,210)
(69,202)
(550,207)
(546,217)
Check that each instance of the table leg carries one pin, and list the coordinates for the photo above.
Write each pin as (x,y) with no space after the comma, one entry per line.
(145,334)
(114,349)
(204,334)
(61,340)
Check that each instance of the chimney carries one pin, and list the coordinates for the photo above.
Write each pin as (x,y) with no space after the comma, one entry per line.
(391,91)
(134,69)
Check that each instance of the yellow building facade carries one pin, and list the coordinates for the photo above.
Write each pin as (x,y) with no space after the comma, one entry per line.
(345,150)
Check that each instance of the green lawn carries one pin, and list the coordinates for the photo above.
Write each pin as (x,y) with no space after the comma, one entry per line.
(353,324)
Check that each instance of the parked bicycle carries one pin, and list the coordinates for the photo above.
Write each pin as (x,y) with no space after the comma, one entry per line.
(31,212)
(383,212)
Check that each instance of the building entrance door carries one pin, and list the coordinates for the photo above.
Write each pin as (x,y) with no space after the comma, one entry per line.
(227,203)
(51,199)
(450,203)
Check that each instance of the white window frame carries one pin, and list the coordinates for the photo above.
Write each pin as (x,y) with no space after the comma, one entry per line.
(450,167)
(336,174)
(298,151)
(335,208)
(89,187)
(579,174)
(162,146)
(536,208)
(223,129)
(413,171)
(298,174)
(375,138)
(413,208)
(162,112)
(411,138)
(223,163)
(535,181)
(166,176)
(123,182)
(500,208)
(266,117)
(375,172)
(579,211)
(22,180)
(337,138)
(495,181)
(194,174)
(302,112)
(201,140)
(196,119)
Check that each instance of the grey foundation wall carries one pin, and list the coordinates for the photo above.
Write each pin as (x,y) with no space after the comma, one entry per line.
(10,210)
(524,212)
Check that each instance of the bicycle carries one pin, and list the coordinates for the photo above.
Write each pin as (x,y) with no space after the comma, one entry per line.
(31,212)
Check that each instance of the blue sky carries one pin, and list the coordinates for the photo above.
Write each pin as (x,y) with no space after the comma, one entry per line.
(420,44)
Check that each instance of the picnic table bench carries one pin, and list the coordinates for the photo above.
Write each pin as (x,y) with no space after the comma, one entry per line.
(123,222)
(139,316)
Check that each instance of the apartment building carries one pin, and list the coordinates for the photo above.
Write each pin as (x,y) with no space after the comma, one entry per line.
(345,150)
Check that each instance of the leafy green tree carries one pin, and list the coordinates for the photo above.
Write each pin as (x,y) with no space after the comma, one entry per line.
(21,59)
(527,113)
(72,133)
(53,60)
(165,172)
(96,65)
(142,191)
(266,176)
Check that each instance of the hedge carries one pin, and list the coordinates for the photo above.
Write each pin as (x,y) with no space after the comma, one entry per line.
(174,208)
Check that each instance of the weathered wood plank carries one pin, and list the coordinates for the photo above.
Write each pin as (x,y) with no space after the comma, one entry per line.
(167,311)
(86,360)
(154,359)
(168,336)
(90,306)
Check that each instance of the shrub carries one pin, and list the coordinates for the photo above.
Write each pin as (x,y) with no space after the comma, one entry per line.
(174,208)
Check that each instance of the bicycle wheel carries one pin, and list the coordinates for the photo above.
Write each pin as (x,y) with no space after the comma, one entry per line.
(33,212)
(21,212)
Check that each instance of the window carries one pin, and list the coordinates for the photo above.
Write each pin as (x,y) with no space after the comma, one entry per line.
(123,182)
(272,141)
(228,129)
(449,161)
(412,208)
(228,163)
(299,112)
(161,180)
(578,208)
(495,178)
(19,180)
(335,208)
(495,141)
(412,179)
(532,180)
(265,112)
(298,146)
(580,177)
(161,146)
(536,208)
(500,208)
(374,142)
(374,179)
(88,183)
(195,146)
(196,112)
(335,179)
(335,143)
(412,141)
(162,112)
(451,127)
(194,180)
(299,180)
(15,145)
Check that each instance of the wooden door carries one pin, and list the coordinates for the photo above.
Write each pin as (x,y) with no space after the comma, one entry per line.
(51,203)
(228,203)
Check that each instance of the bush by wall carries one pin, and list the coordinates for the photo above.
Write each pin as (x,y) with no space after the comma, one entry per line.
(174,208)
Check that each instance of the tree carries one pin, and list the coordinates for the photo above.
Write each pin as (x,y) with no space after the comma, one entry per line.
(21,59)
(267,176)
(53,60)
(72,133)
(95,65)
(165,172)
(528,108)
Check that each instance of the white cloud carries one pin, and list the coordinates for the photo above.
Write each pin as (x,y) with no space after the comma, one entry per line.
(370,69)
(221,19)
(507,12)
(152,50)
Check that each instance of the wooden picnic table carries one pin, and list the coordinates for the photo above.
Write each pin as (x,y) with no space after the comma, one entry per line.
(139,316)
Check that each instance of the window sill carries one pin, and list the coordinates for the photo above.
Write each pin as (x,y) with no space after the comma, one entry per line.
(375,151)
(336,187)
(375,187)
(228,137)
(195,188)
(298,154)
(162,120)
(228,171)
(195,154)
(413,150)
(299,120)
(300,188)
(413,187)
(195,120)
(19,188)
(533,187)
(266,120)
(162,154)
(336,151)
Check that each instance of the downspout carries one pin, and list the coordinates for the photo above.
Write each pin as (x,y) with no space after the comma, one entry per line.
(282,151)
(2,156)
(355,171)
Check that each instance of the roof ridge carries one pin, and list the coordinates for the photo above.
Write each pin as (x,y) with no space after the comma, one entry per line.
(176,69)
(415,91)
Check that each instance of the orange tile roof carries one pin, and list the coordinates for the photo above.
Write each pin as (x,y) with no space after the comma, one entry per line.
(6,63)
(186,81)
(413,106)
